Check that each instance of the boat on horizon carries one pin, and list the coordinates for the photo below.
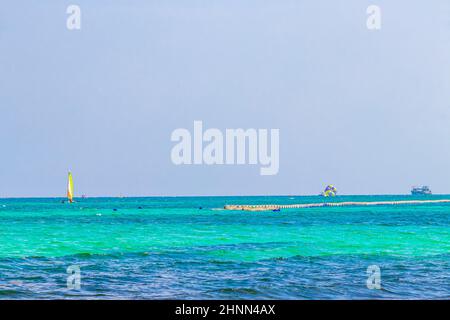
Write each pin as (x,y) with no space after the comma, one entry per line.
(420,190)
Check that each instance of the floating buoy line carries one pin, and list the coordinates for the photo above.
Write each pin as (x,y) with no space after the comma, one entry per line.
(267,207)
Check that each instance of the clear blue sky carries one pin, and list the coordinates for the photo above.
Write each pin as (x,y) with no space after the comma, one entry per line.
(367,111)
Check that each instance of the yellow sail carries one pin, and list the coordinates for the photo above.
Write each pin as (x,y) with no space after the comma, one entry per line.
(70,188)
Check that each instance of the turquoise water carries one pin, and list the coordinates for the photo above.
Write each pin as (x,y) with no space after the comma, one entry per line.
(159,248)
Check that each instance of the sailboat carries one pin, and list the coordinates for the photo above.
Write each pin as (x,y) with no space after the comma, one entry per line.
(70,188)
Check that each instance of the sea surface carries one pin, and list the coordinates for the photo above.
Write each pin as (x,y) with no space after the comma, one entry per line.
(190,248)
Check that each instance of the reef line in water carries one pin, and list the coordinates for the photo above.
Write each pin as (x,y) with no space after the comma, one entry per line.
(266,207)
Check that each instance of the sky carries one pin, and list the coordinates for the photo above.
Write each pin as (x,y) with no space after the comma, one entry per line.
(365,110)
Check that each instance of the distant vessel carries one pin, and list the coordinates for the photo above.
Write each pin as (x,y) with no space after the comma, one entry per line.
(330,191)
(422,190)
(70,188)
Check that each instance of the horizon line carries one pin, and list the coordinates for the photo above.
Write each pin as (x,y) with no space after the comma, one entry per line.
(218,196)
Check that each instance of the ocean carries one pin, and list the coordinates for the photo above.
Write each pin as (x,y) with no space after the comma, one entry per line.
(190,248)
